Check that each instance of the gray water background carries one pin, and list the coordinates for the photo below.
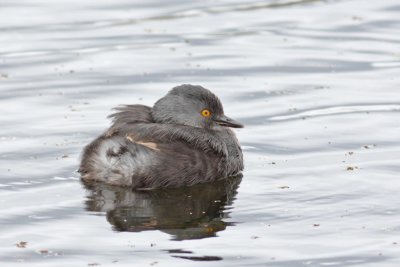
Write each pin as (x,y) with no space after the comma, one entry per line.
(315,82)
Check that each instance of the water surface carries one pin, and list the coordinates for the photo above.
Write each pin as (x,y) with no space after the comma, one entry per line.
(315,82)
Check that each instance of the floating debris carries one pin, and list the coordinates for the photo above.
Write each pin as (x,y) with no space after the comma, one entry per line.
(283,187)
(356,18)
(21,244)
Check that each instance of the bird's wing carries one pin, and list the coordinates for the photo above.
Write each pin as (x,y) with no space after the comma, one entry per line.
(128,114)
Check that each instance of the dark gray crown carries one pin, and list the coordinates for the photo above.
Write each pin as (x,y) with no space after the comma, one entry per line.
(199,93)
(183,105)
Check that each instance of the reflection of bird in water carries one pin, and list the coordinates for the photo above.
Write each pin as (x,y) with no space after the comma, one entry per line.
(183,140)
(186,213)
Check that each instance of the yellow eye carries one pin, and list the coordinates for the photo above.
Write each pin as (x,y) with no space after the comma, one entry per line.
(205,113)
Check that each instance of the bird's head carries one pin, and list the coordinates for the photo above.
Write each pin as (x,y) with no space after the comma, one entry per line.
(192,105)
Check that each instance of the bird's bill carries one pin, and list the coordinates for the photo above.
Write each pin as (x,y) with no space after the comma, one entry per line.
(228,122)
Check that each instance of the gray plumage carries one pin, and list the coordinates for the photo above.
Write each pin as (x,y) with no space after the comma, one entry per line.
(169,145)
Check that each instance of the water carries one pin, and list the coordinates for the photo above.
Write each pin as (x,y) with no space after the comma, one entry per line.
(315,82)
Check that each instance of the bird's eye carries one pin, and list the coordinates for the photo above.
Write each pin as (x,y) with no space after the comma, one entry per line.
(205,113)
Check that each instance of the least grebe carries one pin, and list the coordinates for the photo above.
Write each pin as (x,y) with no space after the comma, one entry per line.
(183,140)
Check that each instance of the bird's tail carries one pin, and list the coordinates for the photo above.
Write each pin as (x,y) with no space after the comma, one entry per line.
(111,160)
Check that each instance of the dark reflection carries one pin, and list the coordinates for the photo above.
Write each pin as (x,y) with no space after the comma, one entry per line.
(187,255)
(185,213)
(204,258)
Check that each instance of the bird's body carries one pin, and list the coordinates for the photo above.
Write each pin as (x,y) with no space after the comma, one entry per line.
(165,146)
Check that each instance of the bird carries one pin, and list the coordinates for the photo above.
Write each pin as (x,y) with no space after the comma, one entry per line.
(183,140)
